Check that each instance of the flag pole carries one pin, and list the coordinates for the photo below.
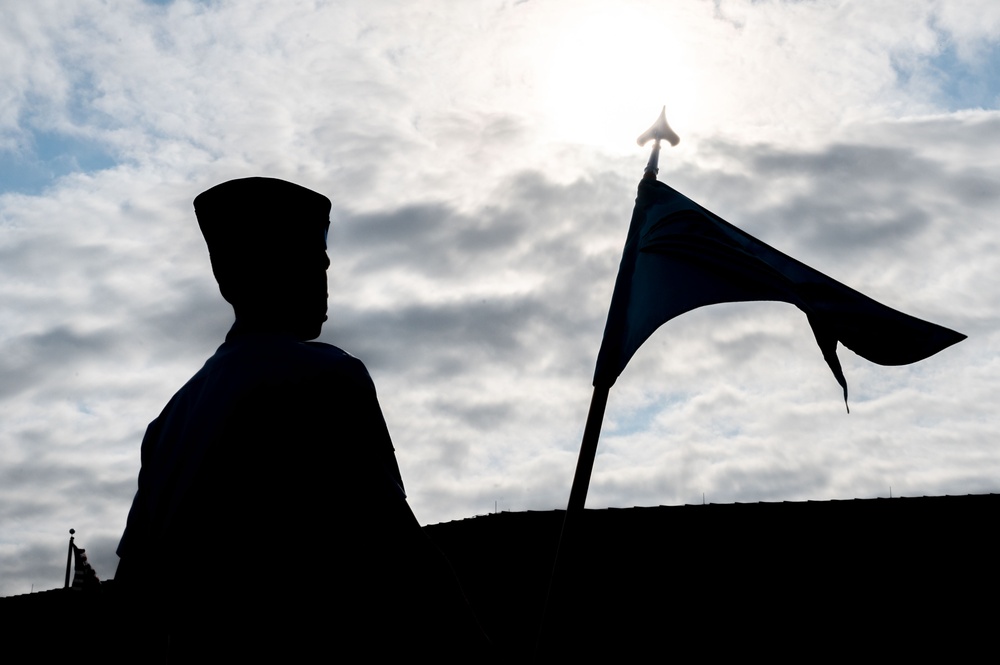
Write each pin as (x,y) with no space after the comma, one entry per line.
(659,131)
(588,449)
(544,642)
(591,431)
(69,557)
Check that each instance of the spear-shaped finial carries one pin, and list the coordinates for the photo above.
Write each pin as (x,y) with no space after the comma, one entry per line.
(659,131)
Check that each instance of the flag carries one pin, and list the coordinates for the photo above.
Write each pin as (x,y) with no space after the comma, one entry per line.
(84,575)
(679,256)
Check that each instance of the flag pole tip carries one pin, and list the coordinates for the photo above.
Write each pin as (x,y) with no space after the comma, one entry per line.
(659,130)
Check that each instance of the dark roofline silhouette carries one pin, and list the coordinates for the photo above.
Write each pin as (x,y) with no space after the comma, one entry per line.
(908,576)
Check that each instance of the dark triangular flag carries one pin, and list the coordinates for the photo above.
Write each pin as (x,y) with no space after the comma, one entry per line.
(679,256)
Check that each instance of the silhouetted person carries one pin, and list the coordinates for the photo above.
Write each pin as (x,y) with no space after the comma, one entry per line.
(270,520)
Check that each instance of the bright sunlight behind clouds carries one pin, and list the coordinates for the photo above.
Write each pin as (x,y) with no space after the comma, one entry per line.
(608,70)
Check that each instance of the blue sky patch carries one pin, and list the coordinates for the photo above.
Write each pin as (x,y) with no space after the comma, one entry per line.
(959,83)
(53,156)
(969,85)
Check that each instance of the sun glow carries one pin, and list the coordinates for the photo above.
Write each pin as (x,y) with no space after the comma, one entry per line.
(608,74)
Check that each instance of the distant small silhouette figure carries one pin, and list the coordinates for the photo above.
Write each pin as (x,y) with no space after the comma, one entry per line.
(270,521)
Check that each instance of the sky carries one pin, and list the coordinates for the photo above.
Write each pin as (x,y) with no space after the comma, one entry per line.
(482,162)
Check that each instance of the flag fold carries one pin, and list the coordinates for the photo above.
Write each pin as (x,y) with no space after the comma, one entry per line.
(679,256)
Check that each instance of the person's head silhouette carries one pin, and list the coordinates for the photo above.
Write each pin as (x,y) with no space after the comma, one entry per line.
(267,240)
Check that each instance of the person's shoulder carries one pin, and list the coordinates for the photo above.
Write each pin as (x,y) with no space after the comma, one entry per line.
(322,348)
(329,353)
(331,358)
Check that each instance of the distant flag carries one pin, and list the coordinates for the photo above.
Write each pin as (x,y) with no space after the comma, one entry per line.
(84,575)
(679,256)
